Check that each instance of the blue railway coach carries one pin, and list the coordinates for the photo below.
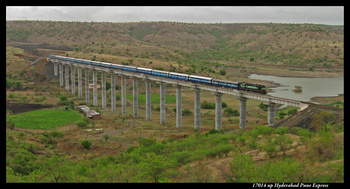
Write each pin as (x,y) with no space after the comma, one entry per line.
(200,79)
(160,73)
(178,76)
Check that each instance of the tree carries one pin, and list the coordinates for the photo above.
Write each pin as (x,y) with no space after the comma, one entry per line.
(106,137)
(269,147)
(86,144)
(322,120)
(283,143)
(57,167)
(242,168)
(154,165)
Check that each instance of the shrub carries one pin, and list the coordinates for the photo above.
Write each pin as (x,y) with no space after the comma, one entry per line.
(86,144)
(222,72)
(263,107)
(264,130)
(231,112)
(281,130)
(207,105)
(81,124)
(186,112)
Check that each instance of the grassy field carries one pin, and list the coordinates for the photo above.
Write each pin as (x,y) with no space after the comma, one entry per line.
(44,119)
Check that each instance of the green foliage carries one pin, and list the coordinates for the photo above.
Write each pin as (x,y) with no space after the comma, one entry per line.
(222,72)
(262,129)
(283,143)
(82,124)
(154,165)
(17,85)
(207,105)
(86,144)
(322,120)
(281,130)
(186,112)
(106,137)
(231,112)
(263,107)
(243,169)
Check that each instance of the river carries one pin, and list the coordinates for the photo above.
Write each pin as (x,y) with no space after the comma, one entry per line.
(312,87)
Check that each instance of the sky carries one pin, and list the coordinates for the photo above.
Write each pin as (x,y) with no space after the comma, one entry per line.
(329,15)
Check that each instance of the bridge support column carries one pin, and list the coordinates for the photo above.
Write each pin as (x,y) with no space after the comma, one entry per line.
(243,113)
(55,69)
(218,111)
(197,108)
(123,87)
(162,103)
(87,90)
(179,106)
(113,92)
(67,76)
(135,103)
(73,79)
(148,100)
(271,114)
(60,67)
(80,87)
(103,78)
(94,77)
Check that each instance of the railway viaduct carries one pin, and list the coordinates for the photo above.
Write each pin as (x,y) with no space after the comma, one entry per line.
(61,69)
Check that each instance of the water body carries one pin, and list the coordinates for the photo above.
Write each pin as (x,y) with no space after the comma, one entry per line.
(312,87)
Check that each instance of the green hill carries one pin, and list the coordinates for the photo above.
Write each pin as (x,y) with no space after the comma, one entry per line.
(193,45)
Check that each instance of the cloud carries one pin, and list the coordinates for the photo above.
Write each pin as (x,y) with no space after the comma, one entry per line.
(200,14)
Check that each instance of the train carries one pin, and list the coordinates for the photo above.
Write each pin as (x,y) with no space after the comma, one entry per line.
(256,88)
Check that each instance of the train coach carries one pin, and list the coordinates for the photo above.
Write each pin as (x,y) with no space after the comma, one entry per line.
(173,75)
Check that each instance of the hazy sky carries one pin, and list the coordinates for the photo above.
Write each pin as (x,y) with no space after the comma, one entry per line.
(330,15)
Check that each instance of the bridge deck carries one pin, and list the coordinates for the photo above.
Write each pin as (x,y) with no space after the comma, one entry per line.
(237,93)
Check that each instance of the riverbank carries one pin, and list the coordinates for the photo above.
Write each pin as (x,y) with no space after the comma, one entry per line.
(301,73)
(328,100)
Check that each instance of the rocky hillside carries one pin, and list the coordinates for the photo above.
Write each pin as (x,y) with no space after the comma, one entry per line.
(295,45)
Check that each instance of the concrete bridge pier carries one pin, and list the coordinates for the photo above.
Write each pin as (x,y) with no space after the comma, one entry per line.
(123,87)
(94,77)
(80,87)
(162,103)
(67,76)
(218,111)
(197,108)
(60,67)
(179,106)
(148,100)
(243,113)
(135,98)
(113,92)
(55,69)
(73,79)
(87,91)
(103,78)
(271,114)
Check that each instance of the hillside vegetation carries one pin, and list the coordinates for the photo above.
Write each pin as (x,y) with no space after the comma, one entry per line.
(199,47)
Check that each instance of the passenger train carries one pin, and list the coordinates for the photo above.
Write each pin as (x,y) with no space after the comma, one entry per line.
(173,75)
